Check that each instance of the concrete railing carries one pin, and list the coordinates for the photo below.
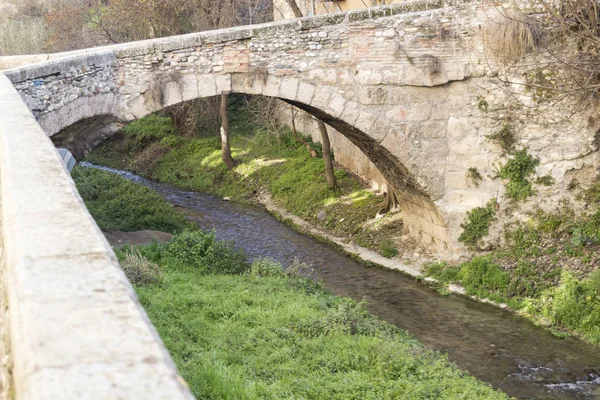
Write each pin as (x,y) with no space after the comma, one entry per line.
(72,325)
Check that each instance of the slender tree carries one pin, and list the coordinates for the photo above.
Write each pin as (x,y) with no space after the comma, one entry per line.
(225,148)
(329,172)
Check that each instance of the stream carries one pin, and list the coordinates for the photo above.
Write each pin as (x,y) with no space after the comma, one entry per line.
(494,345)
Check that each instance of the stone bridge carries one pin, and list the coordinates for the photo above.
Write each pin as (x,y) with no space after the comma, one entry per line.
(402,83)
(361,72)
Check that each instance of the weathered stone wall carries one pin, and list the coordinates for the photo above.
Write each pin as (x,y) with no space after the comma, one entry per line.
(402,83)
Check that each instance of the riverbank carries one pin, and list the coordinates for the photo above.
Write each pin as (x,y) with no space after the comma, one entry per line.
(241,330)
(545,270)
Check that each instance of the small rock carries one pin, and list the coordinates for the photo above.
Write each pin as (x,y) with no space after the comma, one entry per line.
(341,219)
(456,289)
(226,198)
(321,215)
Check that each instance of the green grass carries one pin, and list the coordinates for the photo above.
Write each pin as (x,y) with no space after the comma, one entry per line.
(555,295)
(118,204)
(264,334)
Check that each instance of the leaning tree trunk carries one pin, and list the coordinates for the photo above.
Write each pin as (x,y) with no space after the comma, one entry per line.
(225,149)
(390,201)
(294,6)
(329,173)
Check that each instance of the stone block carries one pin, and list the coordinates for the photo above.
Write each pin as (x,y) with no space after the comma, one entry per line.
(207,86)
(351,113)
(171,94)
(321,98)
(365,121)
(288,89)
(271,86)
(188,87)
(375,95)
(223,84)
(336,105)
(306,92)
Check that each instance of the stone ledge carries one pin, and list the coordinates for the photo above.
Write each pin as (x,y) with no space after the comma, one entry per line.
(76,328)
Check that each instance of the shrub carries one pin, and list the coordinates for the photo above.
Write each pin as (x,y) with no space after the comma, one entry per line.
(517,171)
(477,224)
(481,275)
(576,305)
(139,270)
(202,251)
(266,267)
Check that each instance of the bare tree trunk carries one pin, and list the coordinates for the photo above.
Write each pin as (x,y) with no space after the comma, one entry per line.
(329,173)
(294,6)
(313,152)
(390,201)
(225,150)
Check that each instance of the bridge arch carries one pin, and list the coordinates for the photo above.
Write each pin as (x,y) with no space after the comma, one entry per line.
(323,102)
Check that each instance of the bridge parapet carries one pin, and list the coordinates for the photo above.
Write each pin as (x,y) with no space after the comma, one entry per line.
(72,325)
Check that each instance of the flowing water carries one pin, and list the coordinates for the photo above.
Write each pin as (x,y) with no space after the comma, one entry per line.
(495,345)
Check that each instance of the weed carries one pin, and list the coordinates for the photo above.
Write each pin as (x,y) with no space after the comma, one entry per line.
(477,224)
(266,267)
(505,138)
(546,180)
(517,171)
(202,251)
(138,269)
(474,176)
(388,248)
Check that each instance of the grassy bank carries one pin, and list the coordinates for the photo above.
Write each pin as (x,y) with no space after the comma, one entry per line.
(118,204)
(241,330)
(546,269)
(272,162)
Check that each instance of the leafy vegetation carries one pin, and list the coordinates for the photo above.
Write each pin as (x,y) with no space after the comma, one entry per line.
(556,296)
(517,171)
(477,224)
(266,334)
(118,204)
(547,269)
(388,249)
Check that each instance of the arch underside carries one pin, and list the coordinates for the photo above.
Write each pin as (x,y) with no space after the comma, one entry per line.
(421,217)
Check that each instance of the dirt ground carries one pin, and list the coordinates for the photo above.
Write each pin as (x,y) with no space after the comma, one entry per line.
(117,238)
